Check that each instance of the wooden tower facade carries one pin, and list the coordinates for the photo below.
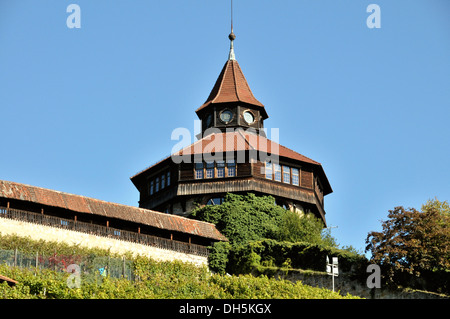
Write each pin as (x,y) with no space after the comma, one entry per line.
(232,155)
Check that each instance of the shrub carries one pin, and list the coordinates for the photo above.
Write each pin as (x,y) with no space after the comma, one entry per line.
(243,258)
(218,257)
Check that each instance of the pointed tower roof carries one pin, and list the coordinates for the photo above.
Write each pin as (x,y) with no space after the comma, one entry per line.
(231,85)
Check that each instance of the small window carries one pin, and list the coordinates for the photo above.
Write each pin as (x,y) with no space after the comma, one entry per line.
(277,170)
(157,184)
(221,169)
(116,232)
(163,181)
(286,174)
(295,176)
(210,170)
(269,170)
(64,223)
(168,178)
(231,165)
(215,201)
(198,170)
(152,186)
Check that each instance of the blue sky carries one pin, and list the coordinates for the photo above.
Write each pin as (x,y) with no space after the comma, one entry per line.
(82,110)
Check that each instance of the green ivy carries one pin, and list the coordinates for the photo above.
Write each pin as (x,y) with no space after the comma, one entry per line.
(243,258)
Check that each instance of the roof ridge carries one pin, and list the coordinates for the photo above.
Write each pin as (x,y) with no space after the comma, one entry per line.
(233,68)
(246,83)
(220,82)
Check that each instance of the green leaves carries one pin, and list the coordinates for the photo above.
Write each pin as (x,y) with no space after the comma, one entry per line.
(158,280)
(413,243)
(255,225)
(243,218)
(245,258)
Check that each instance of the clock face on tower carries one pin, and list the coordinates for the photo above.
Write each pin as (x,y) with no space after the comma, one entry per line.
(248,117)
(226,116)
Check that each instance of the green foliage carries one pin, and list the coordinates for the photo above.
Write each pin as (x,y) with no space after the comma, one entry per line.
(262,287)
(246,257)
(246,219)
(218,256)
(414,244)
(243,218)
(154,279)
(294,228)
(163,280)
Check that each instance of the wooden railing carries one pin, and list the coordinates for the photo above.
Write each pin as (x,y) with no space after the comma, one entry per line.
(99,230)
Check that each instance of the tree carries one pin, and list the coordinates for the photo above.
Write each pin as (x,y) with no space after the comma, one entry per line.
(294,228)
(413,241)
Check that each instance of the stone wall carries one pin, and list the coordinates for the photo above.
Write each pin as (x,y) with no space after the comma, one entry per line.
(48,233)
(345,284)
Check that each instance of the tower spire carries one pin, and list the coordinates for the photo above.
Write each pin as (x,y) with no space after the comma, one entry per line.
(231,36)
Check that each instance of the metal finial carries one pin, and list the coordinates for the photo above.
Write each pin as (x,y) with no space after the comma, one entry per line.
(231,36)
(231,16)
(231,55)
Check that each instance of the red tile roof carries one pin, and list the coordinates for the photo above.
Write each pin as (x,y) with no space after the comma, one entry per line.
(239,140)
(231,86)
(82,204)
